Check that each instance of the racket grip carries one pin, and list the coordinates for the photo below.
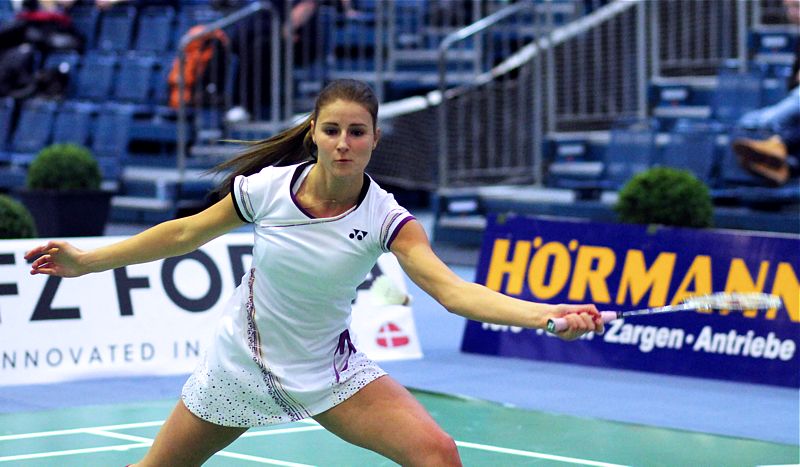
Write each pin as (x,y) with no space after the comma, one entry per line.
(559,324)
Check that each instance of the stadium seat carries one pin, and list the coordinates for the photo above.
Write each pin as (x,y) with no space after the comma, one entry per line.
(68,63)
(85,19)
(111,136)
(692,147)
(134,81)
(73,123)
(6,125)
(95,77)
(34,127)
(736,94)
(116,28)
(160,85)
(156,29)
(631,150)
(572,168)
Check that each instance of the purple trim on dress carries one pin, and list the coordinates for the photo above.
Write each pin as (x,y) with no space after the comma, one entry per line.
(286,402)
(397,230)
(344,345)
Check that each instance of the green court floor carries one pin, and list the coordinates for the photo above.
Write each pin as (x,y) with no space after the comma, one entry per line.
(487,435)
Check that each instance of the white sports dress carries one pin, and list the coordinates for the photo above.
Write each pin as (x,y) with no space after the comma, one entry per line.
(282,351)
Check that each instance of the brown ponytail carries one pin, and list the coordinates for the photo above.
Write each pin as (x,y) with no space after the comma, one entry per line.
(286,148)
(294,145)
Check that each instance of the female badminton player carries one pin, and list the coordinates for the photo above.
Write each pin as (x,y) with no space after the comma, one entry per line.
(282,351)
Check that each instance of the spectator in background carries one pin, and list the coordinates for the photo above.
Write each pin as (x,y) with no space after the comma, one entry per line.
(251,42)
(38,29)
(776,158)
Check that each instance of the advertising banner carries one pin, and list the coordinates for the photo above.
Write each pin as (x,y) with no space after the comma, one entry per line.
(624,267)
(156,318)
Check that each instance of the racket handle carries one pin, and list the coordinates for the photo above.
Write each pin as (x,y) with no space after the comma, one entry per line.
(559,324)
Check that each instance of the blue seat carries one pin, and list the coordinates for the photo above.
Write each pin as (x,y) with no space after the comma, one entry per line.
(160,83)
(776,43)
(85,18)
(67,63)
(769,198)
(572,167)
(116,28)
(692,147)
(6,125)
(736,94)
(73,123)
(34,127)
(156,29)
(111,137)
(631,150)
(95,77)
(134,81)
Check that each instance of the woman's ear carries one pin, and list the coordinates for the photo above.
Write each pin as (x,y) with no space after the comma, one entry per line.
(311,131)
(377,137)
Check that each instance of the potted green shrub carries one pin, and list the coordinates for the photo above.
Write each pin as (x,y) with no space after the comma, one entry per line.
(666,196)
(15,220)
(62,191)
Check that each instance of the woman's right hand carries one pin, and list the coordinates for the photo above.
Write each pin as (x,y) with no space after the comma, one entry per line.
(56,258)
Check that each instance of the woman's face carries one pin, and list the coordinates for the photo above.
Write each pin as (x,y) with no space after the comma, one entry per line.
(345,137)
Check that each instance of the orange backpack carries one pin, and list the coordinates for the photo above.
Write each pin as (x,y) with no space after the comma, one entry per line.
(199,53)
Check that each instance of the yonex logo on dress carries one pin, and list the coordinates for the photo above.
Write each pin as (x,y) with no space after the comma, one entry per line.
(358,234)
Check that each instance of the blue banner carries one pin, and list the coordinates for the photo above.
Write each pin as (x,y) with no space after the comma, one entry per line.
(623,267)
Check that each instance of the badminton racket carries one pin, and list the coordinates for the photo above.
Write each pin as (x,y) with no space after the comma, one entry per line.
(716,301)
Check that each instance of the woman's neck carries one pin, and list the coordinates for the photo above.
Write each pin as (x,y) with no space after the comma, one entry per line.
(327,196)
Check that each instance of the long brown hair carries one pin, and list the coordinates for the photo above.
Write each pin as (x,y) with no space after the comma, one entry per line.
(294,145)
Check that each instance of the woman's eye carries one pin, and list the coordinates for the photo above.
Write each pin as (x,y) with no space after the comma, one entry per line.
(330,131)
(357,132)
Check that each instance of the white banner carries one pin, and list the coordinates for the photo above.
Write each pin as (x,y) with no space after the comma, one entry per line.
(157,318)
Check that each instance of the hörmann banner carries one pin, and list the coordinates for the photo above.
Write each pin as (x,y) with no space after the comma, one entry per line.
(156,318)
(622,267)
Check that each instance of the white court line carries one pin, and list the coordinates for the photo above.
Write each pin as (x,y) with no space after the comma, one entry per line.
(74,431)
(141,442)
(73,452)
(538,455)
(123,436)
(125,426)
(280,431)
(261,460)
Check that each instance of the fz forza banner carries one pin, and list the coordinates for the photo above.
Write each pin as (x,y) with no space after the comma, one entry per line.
(625,267)
(157,318)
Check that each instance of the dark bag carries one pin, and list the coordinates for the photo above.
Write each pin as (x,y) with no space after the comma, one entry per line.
(204,69)
(16,70)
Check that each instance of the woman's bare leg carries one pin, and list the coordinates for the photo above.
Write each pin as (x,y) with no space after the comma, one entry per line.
(185,440)
(384,417)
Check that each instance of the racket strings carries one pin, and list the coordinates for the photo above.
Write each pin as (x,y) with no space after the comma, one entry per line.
(736,301)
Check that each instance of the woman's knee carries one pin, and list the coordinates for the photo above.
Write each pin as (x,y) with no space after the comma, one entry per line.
(437,449)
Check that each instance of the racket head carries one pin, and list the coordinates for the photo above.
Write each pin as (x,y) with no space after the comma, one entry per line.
(735,301)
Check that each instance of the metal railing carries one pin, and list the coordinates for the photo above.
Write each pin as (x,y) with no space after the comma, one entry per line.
(485,127)
(584,75)
(504,81)
(203,109)
(694,37)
